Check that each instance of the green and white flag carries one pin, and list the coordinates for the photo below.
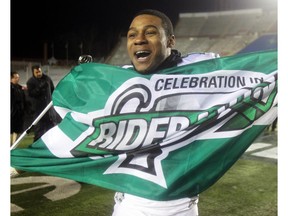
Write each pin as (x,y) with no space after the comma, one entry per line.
(160,136)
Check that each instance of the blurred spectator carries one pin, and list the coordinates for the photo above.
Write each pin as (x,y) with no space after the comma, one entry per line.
(273,126)
(40,88)
(17,106)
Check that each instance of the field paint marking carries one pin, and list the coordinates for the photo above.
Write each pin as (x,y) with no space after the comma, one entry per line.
(64,188)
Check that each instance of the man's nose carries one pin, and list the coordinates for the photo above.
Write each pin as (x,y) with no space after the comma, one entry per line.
(140,39)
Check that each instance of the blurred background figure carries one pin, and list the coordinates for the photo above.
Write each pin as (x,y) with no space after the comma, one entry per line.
(17,106)
(40,88)
(273,126)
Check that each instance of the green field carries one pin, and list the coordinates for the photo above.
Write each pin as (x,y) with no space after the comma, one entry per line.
(248,188)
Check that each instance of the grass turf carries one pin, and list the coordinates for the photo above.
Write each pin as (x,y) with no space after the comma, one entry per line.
(248,188)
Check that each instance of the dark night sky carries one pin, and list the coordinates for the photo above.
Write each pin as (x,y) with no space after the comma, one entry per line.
(98,26)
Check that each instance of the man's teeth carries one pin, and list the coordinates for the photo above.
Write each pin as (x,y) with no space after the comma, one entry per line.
(142,53)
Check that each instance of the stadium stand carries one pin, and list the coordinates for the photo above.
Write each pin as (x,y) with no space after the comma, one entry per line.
(265,42)
(223,32)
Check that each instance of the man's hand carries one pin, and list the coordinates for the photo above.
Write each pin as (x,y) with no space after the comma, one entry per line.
(13,172)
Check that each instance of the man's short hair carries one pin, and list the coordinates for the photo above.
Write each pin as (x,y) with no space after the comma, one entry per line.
(13,73)
(35,67)
(166,22)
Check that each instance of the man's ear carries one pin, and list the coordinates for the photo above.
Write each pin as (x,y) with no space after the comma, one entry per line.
(171,41)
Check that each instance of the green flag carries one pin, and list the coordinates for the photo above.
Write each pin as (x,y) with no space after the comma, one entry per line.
(159,136)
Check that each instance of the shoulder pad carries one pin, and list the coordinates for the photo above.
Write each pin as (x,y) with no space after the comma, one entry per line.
(196,57)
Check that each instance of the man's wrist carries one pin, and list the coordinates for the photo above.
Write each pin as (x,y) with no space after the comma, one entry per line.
(14,173)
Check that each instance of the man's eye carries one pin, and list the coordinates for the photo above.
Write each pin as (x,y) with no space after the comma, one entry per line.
(131,35)
(150,33)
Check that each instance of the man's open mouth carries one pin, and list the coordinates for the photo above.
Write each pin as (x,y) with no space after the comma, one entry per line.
(142,54)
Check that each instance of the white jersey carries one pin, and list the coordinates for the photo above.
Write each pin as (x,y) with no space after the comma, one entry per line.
(196,57)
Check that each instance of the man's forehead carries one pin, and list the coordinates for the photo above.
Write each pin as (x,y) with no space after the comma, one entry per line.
(145,20)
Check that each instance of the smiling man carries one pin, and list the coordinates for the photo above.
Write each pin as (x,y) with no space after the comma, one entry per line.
(150,42)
